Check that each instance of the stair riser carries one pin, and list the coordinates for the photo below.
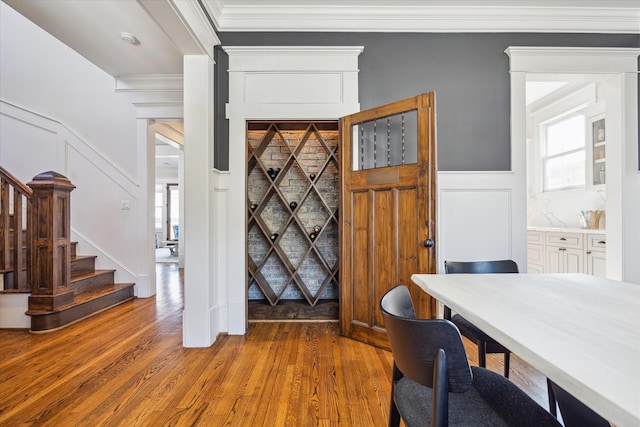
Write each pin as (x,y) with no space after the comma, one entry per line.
(82,266)
(92,283)
(56,320)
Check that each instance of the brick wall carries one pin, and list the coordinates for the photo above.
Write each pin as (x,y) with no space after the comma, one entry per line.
(317,201)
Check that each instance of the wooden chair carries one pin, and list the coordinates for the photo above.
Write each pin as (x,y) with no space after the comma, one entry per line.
(484,342)
(574,413)
(433,383)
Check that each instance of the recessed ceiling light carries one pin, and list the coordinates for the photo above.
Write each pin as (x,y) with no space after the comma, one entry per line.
(129,38)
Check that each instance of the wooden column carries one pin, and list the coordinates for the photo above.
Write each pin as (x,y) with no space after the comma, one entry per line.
(51,242)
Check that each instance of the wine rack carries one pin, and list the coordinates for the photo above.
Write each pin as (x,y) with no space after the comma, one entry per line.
(292,219)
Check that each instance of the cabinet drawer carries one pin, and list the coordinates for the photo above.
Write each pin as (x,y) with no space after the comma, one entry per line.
(535,237)
(596,242)
(565,240)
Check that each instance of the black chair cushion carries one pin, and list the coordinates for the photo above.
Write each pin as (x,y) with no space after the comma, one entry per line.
(492,401)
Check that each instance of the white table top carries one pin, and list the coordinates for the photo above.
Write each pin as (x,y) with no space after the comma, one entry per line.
(581,331)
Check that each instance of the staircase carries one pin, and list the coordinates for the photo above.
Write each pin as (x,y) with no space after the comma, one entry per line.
(37,257)
(93,291)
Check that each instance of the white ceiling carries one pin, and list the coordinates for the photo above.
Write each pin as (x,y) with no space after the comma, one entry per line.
(93,28)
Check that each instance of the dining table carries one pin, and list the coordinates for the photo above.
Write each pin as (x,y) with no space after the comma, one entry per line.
(581,331)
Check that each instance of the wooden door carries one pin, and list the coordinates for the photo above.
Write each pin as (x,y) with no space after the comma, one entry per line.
(388,211)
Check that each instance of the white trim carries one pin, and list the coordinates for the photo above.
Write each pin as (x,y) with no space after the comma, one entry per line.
(617,70)
(250,102)
(447,17)
(156,96)
(196,22)
(569,60)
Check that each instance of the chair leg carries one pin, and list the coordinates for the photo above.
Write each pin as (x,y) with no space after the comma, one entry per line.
(482,354)
(394,414)
(552,400)
(507,358)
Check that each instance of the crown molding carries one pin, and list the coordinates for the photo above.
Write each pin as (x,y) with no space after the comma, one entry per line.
(195,19)
(154,95)
(425,18)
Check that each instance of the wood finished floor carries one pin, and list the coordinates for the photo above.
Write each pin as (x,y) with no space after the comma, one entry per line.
(127,367)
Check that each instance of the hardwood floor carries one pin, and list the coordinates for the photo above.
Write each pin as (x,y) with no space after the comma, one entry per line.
(126,366)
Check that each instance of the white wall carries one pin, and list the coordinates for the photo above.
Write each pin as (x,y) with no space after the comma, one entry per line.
(59,112)
(38,71)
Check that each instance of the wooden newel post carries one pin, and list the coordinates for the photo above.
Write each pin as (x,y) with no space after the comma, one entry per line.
(51,242)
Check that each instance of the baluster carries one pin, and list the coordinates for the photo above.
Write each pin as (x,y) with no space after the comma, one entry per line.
(388,141)
(375,144)
(403,138)
(361,146)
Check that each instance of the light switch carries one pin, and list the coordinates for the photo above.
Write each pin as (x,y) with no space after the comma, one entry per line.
(125,205)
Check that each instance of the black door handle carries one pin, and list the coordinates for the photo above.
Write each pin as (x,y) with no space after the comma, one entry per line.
(428,243)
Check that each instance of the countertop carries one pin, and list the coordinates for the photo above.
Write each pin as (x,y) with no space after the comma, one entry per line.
(569,230)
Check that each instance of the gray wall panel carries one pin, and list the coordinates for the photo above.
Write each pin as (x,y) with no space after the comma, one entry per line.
(468,72)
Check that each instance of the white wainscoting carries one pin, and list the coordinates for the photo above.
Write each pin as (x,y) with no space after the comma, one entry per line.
(481,216)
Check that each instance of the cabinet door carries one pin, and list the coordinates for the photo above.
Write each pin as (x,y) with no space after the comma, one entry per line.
(597,263)
(555,259)
(574,261)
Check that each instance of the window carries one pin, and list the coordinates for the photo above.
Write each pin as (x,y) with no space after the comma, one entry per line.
(563,158)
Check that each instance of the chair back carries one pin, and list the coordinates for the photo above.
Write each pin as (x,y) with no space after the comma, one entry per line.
(480,267)
(415,342)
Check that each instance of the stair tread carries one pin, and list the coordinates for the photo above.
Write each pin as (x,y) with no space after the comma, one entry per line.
(88,296)
(81,257)
(96,293)
(14,291)
(91,274)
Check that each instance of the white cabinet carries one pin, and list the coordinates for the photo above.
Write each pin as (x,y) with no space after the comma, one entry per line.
(535,251)
(564,260)
(564,252)
(554,251)
(596,261)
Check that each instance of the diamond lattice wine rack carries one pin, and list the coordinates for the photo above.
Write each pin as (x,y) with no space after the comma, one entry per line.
(292,222)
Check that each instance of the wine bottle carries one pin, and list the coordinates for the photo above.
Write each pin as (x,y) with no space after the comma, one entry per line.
(317,229)
(293,205)
(253,206)
(312,236)
(273,237)
(312,176)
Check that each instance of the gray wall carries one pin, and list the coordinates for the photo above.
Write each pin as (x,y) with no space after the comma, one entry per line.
(468,72)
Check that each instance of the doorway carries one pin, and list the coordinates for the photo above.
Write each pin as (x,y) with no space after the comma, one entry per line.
(293,192)
(169,161)
(616,70)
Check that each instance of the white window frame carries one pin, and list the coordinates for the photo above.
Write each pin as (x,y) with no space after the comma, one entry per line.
(544,158)
(577,99)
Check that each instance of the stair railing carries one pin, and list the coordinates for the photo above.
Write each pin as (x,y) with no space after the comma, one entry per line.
(15,234)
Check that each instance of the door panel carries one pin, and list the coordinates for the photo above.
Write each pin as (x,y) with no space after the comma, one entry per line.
(388,210)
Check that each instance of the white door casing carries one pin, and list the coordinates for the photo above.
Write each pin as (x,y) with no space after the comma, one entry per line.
(616,69)
(275,83)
